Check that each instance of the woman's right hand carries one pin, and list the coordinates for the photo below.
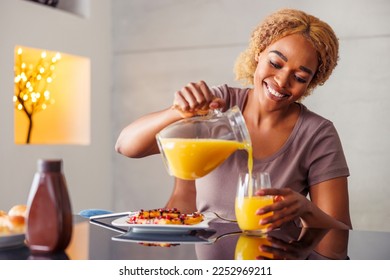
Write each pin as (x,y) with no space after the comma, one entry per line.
(195,99)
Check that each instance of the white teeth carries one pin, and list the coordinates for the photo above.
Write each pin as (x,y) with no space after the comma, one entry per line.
(274,92)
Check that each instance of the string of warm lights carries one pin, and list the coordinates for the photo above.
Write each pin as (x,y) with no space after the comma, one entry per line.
(31,85)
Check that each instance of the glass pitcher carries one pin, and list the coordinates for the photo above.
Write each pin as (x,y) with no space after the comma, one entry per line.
(191,148)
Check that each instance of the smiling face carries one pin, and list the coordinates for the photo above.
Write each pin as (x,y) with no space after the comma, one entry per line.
(284,71)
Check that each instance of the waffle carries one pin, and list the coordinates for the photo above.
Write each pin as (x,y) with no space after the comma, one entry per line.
(164,216)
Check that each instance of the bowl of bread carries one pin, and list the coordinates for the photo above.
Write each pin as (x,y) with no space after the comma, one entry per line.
(13,226)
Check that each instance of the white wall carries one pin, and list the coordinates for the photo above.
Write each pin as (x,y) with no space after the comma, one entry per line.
(159,46)
(87,168)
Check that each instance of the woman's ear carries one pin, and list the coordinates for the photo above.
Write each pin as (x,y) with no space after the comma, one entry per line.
(257,57)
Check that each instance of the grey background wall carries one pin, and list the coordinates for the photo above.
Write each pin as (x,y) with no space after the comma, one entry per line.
(141,52)
(159,46)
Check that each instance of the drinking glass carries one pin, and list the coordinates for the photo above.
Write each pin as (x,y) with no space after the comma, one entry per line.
(247,202)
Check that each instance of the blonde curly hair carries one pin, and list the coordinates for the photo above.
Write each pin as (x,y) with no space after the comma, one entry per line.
(287,22)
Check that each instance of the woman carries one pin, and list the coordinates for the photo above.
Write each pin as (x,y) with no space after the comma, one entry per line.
(289,54)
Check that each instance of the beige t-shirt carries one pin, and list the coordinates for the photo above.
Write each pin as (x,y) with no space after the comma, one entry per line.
(312,154)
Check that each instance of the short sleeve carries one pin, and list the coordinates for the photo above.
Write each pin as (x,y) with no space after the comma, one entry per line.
(232,96)
(326,156)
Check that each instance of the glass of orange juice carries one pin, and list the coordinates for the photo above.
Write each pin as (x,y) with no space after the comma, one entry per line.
(247,202)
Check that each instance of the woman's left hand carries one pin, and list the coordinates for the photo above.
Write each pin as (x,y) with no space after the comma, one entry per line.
(288,205)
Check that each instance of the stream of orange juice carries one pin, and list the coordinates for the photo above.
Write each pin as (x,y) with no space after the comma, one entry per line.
(190,159)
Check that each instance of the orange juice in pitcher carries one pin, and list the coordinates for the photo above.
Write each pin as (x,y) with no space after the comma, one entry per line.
(194,158)
(191,148)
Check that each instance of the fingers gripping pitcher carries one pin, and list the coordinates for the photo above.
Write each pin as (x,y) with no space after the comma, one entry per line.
(191,148)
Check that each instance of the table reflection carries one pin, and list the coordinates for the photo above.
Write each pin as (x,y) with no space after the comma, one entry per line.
(288,242)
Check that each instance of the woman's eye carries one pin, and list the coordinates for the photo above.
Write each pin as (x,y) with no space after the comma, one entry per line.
(300,80)
(297,78)
(275,65)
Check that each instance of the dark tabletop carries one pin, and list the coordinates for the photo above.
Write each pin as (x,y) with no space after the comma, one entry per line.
(222,240)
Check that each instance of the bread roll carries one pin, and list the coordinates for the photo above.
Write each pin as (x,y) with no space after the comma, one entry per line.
(16,224)
(2,213)
(18,210)
(4,223)
(14,221)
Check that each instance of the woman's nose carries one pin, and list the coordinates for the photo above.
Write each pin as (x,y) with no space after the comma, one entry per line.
(282,79)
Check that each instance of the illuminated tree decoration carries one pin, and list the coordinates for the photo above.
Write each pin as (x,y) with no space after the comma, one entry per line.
(31,85)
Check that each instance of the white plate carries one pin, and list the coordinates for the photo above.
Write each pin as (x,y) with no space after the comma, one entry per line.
(161,229)
(11,240)
(162,239)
